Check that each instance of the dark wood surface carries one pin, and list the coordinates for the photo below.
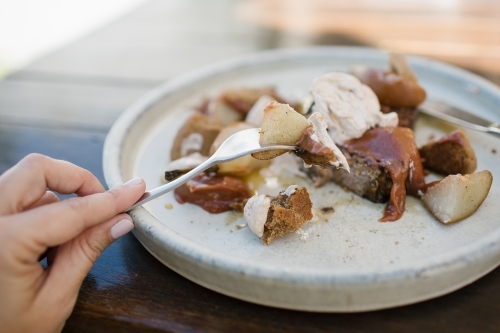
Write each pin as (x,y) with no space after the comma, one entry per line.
(63,105)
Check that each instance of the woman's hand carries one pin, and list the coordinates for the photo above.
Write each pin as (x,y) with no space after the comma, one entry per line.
(72,233)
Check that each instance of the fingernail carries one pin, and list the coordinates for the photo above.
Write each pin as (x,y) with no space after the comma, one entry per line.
(135,181)
(121,228)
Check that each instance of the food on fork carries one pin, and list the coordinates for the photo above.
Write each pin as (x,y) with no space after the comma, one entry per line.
(450,155)
(283,125)
(270,217)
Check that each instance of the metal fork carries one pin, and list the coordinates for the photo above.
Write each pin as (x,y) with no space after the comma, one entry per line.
(237,145)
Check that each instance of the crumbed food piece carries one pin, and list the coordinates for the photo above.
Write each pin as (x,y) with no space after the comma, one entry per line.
(449,155)
(196,135)
(272,217)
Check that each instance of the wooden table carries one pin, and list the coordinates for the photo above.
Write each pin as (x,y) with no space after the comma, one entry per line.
(64,104)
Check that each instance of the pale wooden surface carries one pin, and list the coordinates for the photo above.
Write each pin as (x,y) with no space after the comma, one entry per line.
(463,32)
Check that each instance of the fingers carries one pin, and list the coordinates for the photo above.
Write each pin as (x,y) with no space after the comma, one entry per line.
(75,258)
(26,182)
(55,224)
(48,198)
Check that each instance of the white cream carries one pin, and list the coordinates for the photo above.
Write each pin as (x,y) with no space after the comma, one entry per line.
(193,142)
(350,108)
(255,213)
(290,190)
(320,135)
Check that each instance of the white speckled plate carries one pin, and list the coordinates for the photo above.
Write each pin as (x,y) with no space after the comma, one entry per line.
(345,262)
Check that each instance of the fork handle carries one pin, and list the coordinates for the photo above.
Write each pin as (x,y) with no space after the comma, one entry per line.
(156,192)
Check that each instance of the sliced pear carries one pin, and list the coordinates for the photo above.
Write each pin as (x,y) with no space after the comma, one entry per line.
(458,196)
(280,125)
(240,166)
(225,113)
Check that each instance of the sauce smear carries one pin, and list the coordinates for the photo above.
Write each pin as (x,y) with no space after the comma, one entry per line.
(214,193)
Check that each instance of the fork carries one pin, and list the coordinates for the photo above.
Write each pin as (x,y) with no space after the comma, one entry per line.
(237,145)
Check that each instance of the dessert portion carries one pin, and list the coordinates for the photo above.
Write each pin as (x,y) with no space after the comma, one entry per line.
(271,217)
(450,155)
(352,137)
(385,166)
(397,90)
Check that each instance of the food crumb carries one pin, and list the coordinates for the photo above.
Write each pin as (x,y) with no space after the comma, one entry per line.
(241,226)
(169,206)
(328,209)
(396,242)
(494,151)
(431,137)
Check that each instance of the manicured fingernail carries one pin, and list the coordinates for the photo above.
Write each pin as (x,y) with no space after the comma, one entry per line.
(135,181)
(121,228)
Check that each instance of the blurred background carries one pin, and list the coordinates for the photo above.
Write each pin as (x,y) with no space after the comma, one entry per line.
(161,38)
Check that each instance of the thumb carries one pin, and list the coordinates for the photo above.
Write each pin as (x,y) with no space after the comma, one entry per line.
(74,259)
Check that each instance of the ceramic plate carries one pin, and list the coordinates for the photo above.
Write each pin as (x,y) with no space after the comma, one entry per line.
(343,262)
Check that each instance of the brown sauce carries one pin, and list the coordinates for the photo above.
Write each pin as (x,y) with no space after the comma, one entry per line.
(213,193)
(395,149)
